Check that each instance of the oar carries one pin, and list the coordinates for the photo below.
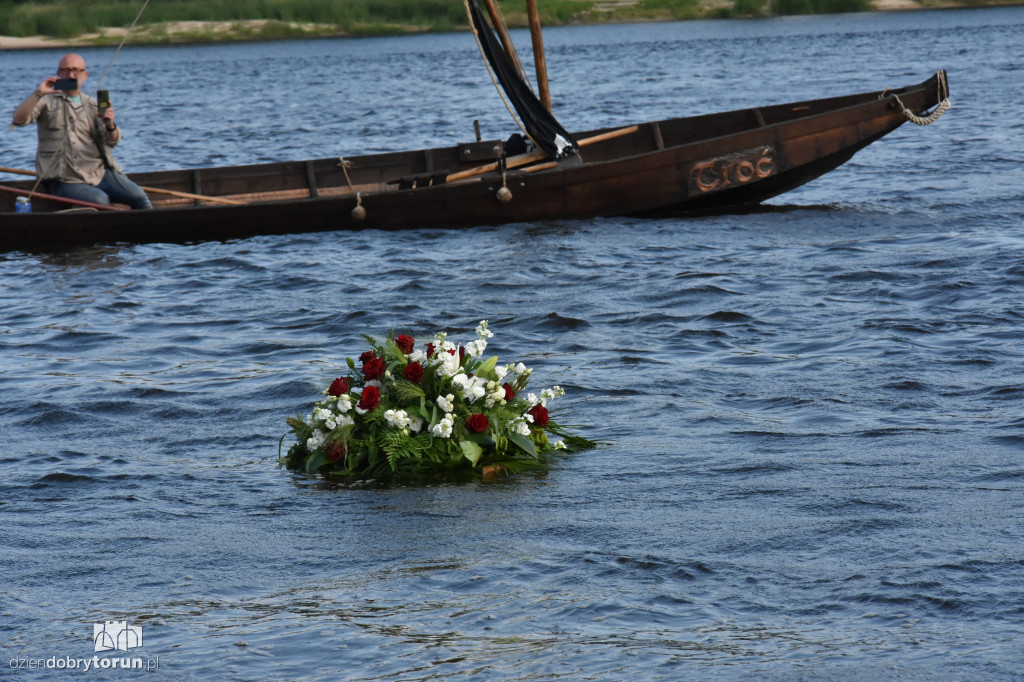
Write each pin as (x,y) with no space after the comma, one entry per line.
(198,197)
(530,157)
(63,200)
(152,190)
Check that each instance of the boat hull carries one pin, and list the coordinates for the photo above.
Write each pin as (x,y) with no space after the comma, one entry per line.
(718,162)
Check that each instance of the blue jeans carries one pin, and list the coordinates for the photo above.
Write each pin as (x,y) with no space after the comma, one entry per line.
(113,187)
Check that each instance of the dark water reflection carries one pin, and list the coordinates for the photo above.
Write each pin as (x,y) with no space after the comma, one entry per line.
(814,412)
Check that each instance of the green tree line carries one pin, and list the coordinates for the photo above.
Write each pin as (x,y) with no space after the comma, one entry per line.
(71,18)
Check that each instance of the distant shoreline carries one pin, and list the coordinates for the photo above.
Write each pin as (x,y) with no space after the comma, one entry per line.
(198,32)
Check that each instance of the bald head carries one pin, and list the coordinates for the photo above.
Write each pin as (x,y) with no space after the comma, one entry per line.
(73,66)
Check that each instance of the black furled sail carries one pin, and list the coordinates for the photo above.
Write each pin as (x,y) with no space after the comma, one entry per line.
(540,124)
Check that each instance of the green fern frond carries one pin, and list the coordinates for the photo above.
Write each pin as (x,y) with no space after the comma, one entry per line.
(404,392)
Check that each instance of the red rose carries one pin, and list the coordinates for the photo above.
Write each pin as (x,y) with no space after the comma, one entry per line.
(540,415)
(338,387)
(462,354)
(367,356)
(374,368)
(509,393)
(477,423)
(337,450)
(405,343)
(430,350)
(414,372)
(370,399)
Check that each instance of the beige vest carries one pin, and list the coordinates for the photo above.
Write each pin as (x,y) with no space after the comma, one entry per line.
(73,141)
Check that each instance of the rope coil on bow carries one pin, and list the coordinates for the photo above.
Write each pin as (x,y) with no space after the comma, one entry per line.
(943,107)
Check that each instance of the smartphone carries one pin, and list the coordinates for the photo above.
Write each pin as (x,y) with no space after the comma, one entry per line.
(103,100)
(66,84)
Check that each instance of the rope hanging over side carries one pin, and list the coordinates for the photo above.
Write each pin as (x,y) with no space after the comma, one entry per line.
(358,213)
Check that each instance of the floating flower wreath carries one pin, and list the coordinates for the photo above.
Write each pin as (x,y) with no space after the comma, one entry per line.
(428,410)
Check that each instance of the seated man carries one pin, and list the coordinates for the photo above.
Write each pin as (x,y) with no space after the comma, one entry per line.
(74,156)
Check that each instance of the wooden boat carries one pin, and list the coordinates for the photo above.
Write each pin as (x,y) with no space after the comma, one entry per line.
(718,162)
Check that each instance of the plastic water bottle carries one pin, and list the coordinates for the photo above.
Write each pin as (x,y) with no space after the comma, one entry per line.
(22,205)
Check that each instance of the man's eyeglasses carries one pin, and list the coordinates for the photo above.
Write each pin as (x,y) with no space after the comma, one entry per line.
(68,70)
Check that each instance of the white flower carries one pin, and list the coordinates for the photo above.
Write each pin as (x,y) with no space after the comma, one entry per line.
(522,428)
(446,403)
(521,368)
(500,371)
(495,394)
(443,429)
(397,418)
(419,356)
(482,331)
(316,440)
(473,388)
(448,361)
(374,382)
(558,445)
(344,404)
(416,424)
(532,398)
(549,393)
(475,349)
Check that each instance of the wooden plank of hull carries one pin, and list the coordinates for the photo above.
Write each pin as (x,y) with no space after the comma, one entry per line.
(716,161)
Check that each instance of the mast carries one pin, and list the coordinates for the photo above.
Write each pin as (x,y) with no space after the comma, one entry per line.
(538,54)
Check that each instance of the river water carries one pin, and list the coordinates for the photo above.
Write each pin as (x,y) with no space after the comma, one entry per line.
(813,415)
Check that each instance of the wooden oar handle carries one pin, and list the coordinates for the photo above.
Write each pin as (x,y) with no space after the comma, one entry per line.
(197,197)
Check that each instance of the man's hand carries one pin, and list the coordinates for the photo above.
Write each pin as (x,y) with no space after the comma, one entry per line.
(46,87)
(108,118)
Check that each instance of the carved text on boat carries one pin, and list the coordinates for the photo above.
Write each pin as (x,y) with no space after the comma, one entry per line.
(738,168)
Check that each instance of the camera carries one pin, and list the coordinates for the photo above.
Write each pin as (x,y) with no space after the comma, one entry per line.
(66,84)
(103,100)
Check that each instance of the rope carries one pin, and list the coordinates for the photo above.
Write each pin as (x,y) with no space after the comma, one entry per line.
(358,212)
(343,164)
(943,107)
(118,50)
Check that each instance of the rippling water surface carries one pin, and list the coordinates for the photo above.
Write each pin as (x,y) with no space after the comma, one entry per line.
(813,414)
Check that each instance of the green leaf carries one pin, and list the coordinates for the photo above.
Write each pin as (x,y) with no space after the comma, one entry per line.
(471,451)
(524,443)
(315,461)
(486,370)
